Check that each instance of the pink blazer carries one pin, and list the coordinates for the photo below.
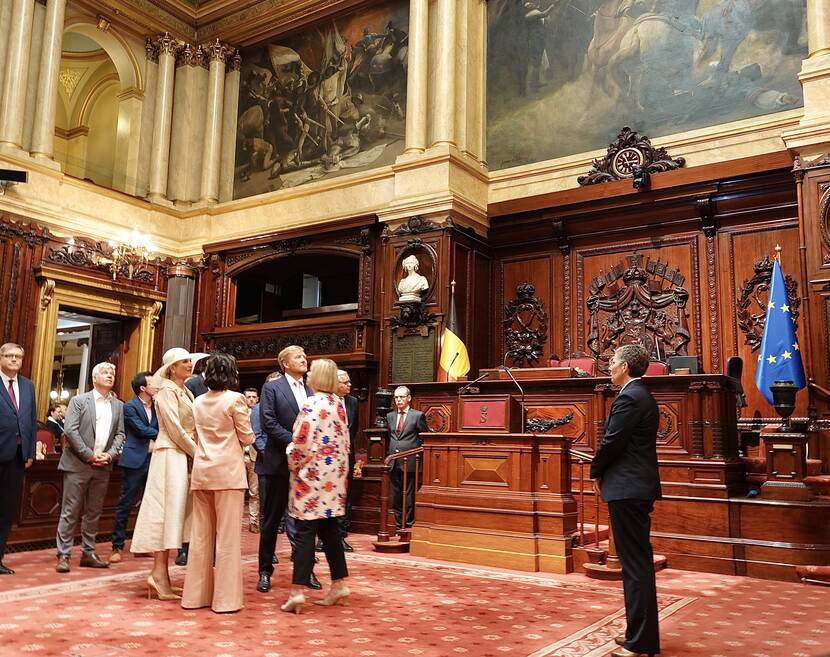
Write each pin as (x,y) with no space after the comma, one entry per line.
(223,427)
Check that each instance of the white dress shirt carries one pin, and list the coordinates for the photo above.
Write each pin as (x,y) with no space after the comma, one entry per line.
(298,388)
(103,420)
(15,387)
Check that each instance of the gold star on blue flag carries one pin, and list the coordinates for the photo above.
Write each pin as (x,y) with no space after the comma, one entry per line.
(780,358)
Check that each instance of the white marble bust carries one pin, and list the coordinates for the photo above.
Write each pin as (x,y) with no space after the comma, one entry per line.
(412,284)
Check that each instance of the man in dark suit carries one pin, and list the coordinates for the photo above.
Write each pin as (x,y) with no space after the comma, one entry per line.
(18,426)
(279,406)
(141,426)
(196,384)
(405,427)
(54,422)
(625,473)
(344,387)
(94,431)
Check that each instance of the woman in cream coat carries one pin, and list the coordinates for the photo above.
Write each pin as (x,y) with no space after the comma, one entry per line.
(218,484)
(162,523)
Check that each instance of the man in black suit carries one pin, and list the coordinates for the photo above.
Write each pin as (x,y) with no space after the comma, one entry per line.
(18,425)
(279,406)
(625,473)
(405,428)
(54,422)
(141,426)
(344,387)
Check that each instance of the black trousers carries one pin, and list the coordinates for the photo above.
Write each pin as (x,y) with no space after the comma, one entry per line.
(344,522)
(631,524)
(329,532)
(273,498)
(396,479)
(11,479)
(133,481)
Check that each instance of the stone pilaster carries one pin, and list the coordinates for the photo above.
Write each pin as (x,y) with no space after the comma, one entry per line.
(229,112)
(443,106)
(418,77)
(212,154)
(13,99)
(167,47)
(43,134)
(5,35)
(33,75)
(186,143)
(178,313)
(145,146)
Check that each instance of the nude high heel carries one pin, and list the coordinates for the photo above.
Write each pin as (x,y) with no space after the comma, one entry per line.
(153,587)
(294,603)
(337,597)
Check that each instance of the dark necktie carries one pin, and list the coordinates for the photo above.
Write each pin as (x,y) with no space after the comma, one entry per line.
(399,427)
(12,395)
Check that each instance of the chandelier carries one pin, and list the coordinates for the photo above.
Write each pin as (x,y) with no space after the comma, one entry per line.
(129,256)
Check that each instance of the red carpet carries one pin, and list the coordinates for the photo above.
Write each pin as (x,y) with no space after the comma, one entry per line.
(400,606)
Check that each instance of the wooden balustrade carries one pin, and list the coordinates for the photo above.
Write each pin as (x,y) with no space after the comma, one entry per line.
(383,542)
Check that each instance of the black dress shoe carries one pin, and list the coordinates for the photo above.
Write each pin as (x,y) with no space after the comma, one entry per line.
(92,560)
(181,558)
(313,583)
(5,570)
(274,559)
(264,583)
(347,547)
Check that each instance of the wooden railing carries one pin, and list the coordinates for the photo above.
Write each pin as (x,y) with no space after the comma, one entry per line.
(583,460)
(383,530)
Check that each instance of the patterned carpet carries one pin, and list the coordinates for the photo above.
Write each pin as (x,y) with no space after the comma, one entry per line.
(400,606)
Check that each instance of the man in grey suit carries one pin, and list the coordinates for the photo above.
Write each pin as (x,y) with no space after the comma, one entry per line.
(94,430)
(405,427)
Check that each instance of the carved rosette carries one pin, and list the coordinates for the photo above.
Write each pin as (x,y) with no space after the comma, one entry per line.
(629,152)
(525,326)
(753,298)
(632,304)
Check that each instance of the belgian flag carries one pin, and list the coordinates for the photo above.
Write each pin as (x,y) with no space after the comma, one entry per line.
(454,361)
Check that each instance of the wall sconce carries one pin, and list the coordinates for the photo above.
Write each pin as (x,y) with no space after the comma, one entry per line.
(129,256)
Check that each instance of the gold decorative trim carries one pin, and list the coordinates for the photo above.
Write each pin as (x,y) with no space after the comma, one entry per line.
(155,312)
(47,292)
(130,92)
(77,131)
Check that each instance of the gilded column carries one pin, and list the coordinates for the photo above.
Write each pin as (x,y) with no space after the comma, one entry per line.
(229,112)
(211,157)
(162,117)
(12,103)
(417,77)
(443,117)
(818,27)
(43,135)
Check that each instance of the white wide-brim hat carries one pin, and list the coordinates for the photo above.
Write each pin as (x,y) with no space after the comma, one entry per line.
(175,355)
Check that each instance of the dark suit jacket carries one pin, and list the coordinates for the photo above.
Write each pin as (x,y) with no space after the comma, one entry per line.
(277,411)
(196,385)
(626,460)
(351,415)
(14,423)
(139,431)
(408,438)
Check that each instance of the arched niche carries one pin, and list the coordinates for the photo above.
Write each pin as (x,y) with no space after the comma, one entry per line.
(288,287)
(129,72)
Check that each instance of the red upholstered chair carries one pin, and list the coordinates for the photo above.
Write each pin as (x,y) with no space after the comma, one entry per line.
(47,438)
(582,361)
(554,361)
(656,368)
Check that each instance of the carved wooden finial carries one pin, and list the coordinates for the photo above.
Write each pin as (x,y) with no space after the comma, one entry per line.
(778,250)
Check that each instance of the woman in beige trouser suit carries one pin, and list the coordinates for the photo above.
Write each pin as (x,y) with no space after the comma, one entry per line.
(218,483)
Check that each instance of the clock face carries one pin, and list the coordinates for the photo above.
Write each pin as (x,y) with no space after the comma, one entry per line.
(625,160)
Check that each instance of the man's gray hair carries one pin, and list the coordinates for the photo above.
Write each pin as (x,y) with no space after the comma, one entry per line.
(100,367)
(636,357)
(342,373)
(403,388)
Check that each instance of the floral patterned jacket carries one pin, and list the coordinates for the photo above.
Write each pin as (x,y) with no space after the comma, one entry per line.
(318,459)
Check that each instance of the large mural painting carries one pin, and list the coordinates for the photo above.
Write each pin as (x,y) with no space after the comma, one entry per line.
(565,75)
(327,101)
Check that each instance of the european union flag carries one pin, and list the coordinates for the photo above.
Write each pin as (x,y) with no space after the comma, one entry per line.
(780,357)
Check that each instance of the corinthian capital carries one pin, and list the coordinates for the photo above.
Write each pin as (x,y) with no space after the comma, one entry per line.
(234,60)
(217,51)
(151,48)
(167,45)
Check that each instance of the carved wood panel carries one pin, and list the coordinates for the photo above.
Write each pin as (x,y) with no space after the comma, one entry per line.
(535,270)
(565,419)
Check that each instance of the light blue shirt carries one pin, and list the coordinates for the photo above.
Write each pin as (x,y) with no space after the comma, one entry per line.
(256,426)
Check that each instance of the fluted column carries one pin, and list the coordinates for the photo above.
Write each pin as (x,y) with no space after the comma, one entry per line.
(162,117)
(818,27)
(43,134)
(445,76)
(211,156)
(417,77)
(229,112)
(12,102)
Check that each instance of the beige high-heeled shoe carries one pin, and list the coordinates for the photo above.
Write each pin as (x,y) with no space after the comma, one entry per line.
(153,587)
(294,603)
(336,597)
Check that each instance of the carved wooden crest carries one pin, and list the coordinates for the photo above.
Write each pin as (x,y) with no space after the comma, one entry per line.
(752,302)
(636,304)
(630,150)
(525,326)
(413,319)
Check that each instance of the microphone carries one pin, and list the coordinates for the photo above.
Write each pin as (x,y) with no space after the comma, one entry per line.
(513,379)
(470,384)
(452,362)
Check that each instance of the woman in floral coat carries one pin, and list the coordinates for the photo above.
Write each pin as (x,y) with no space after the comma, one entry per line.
(318,459)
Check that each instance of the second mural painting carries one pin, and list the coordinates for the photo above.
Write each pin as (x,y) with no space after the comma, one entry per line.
(323,102)
(564,76)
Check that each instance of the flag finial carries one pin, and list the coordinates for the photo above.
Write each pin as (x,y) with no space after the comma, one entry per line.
(778,250)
